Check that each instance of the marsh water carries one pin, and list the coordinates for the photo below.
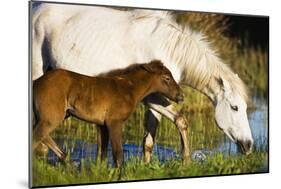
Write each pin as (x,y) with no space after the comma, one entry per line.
(205,138)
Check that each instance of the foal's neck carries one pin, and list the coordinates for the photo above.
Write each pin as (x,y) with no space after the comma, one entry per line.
(141,84)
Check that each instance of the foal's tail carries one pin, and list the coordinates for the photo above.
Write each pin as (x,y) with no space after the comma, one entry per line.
(35,114)
(35,117)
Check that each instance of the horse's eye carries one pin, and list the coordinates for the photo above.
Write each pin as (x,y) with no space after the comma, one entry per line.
(235,108)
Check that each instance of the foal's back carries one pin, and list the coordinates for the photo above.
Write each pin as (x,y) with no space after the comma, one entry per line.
(88,98)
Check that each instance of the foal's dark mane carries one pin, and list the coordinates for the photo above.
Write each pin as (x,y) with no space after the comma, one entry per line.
(124,71)
(127,70)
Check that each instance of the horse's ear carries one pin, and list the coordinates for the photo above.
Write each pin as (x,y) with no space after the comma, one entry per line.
(154,66)
(224,84)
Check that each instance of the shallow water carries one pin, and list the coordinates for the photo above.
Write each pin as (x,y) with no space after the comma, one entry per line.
(78,149)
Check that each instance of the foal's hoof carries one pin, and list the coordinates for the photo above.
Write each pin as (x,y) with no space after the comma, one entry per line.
(41,151)
(62,159)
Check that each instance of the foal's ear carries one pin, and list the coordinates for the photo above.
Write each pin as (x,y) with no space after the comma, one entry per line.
(154,66)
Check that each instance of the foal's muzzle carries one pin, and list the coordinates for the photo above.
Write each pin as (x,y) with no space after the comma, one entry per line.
(179,98)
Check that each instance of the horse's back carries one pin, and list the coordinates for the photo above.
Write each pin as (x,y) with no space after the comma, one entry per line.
(75,15)
(89,39)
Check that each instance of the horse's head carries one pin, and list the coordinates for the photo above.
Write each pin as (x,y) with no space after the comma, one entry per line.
(163,81)
(231,117)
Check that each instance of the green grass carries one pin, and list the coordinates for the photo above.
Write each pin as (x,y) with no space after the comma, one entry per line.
(203,134)
(45,174)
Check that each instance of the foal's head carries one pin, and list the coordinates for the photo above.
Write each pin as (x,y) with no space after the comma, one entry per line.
(163,81)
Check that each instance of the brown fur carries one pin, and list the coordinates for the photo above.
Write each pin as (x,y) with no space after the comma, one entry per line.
(105,100)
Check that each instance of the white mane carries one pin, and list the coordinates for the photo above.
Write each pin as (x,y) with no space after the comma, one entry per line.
(191,51)
(142,13)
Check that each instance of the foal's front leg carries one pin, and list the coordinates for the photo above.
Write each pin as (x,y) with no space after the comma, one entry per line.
(115,135)
(102,141)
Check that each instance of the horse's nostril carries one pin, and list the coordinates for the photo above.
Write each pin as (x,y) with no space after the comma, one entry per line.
(246,146)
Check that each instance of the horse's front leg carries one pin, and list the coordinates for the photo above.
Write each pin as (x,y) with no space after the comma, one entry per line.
(160,106)
(180,122)
(152,119)
(183,129)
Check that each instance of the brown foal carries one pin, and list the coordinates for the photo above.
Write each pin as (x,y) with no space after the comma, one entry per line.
(105,101)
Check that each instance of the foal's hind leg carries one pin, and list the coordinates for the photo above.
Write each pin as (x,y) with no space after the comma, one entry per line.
(54,147)
(41,135)
(41,131)
(102,141)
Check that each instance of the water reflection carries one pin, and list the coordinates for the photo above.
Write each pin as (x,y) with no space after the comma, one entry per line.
(204,138)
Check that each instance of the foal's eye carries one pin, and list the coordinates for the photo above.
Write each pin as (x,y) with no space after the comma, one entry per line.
(235,108)
(167,78)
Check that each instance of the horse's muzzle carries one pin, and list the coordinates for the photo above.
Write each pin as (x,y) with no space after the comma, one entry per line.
(245,146)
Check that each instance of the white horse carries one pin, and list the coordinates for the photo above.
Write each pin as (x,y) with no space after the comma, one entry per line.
(87,39)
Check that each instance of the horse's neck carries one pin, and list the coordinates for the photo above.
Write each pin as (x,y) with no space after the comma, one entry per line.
(212,90)
(190,59)
(140,84)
